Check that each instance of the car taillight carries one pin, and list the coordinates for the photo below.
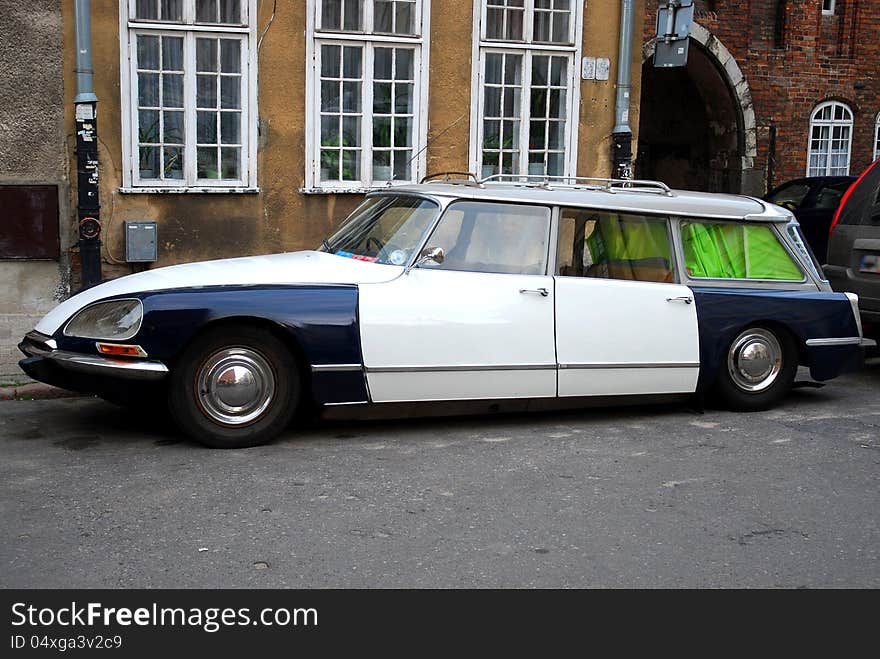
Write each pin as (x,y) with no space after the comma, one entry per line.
(845,198)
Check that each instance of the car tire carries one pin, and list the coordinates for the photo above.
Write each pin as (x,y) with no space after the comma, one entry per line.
(758,369)
(235,387)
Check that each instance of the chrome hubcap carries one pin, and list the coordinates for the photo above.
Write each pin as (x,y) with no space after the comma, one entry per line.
(754,360)
(235,386)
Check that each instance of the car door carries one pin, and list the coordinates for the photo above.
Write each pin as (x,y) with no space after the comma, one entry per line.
(622,325)
(816,213)
(479,325)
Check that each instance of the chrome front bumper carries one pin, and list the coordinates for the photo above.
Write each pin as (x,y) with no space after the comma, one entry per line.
(40,345)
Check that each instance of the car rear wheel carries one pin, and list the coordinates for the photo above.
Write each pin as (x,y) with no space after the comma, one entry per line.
(758,370)
(235,387)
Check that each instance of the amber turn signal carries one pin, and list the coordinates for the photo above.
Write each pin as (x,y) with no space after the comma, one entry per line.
(118,350)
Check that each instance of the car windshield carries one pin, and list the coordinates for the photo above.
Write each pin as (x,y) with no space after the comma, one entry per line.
(383,229)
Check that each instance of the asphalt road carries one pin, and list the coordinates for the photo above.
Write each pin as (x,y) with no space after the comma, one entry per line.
(93,496)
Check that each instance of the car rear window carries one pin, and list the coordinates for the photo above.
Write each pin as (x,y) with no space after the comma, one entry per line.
(790,195)
(716,250)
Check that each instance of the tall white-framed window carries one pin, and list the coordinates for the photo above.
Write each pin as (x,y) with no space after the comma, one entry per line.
(525,99)
(828,7)
(189,96)
(830,140)
(366,93)
(877,137)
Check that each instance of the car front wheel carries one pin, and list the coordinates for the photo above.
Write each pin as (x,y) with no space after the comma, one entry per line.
(235,387)
(758,371)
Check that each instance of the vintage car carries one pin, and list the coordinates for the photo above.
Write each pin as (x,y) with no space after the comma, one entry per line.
(460,289)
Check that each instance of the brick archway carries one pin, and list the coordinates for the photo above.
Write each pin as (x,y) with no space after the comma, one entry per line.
(727,69)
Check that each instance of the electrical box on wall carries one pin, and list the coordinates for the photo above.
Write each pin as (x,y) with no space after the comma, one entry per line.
(140,242)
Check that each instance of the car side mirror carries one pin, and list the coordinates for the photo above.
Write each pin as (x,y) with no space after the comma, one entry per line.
(435,254)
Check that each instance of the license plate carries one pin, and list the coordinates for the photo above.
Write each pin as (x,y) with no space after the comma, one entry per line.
(870,263)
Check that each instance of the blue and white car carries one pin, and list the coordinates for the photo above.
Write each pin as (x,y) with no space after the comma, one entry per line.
(468,290)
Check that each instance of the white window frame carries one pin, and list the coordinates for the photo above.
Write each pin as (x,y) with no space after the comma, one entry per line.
(877,137)
(369,40)
(129,28)
(831,123)
(828,7)
(528,49)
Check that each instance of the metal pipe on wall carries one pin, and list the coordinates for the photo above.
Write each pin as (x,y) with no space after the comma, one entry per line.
(621,148)
(86,117)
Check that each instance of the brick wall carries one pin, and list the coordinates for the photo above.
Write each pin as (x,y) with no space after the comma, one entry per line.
(794,58)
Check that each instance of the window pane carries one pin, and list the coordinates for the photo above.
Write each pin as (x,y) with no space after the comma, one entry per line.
(330,131)
(148,89)
(403,98)
(331,14)
(230,127)
(230,55)
(329,165)
(489,237)
(172,10)
(352,15)
(206,55)
(207,163)
(383,18)
(382,98)
(382,132)
(382,63)
(735,251)
(206,11)
(172,90)
(172,127)
(381,165)
(351,62)
(329,96)
(404,17)
(330,61)
(147,10)
(206,127)
(172,53)
(230,167)
(173,162)
(148,126)
(351,96)
(613,246)
(206,91)
(148,52)
(148,162)
(351,165)
(403,67)
(230,12)
(230,92)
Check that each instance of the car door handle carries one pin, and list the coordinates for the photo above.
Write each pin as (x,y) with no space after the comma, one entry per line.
(684,298)
(543,292)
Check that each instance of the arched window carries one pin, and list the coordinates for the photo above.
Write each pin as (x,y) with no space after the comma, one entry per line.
(877,137)
(830,138)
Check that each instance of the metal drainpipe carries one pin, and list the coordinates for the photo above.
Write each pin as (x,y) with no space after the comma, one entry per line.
(85,102)
(621,148)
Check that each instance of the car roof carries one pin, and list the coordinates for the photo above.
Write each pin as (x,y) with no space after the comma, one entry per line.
(644,197)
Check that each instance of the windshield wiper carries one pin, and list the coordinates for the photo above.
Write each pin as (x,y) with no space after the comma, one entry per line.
(326,246)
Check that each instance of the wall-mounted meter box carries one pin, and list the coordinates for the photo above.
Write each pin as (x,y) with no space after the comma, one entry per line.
(140,242)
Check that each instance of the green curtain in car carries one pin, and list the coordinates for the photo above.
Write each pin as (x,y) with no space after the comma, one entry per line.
(735,251)
(628,238)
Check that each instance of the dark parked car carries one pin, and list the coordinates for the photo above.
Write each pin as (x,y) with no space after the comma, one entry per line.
(854,247)
(813,200)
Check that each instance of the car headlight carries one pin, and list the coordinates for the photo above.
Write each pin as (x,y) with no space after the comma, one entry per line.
(116,320)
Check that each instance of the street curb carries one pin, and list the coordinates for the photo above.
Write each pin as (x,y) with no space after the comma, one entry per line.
(35,391)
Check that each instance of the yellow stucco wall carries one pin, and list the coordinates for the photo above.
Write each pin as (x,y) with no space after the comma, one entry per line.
(279,218)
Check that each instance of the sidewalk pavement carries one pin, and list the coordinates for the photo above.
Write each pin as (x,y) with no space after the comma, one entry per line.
(34,391)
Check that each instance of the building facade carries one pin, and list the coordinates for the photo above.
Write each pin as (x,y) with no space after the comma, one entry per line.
(243,127)
(773,90)
(34,190)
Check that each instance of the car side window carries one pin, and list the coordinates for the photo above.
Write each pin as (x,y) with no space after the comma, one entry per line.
(613,246)
(829,196)
(790,196)
(719,250)
(492,237)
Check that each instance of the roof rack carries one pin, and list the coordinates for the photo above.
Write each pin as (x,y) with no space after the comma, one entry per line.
(589,182)
(455,178)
